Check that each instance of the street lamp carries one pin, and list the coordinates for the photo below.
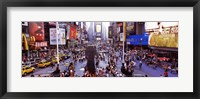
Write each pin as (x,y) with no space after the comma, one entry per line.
(123,42)
(57,32)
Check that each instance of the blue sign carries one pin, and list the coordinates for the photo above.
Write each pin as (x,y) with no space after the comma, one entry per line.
(138,39)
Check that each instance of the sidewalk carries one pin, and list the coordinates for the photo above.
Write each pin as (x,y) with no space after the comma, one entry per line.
(154,72)
(103,64)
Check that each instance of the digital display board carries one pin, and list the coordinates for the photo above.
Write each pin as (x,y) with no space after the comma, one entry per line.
(138,39)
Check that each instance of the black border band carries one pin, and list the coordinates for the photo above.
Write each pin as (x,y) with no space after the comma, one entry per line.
(100,3)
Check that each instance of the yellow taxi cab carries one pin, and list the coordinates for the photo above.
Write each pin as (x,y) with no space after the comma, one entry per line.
(27,69)
(44,64)
(62,56)
(54,60)
(47,63)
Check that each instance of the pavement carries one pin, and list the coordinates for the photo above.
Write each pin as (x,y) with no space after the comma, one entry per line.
(79,67)
(145,70)
(151,72)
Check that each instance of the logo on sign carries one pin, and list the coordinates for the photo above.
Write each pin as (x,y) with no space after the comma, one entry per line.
(41,44)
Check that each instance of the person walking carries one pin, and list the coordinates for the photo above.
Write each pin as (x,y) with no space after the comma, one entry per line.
(56,73)
(52,65)
(140,64)
(67,66)
(165,73)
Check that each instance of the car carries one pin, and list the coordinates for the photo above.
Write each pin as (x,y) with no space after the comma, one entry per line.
(43,64)
(27,69)
(62,55)
(24,64)
(47,63)
(54,60)
(37,60)
(32,64)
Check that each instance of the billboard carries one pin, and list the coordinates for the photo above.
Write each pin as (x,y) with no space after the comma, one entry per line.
(68,31)
(73,32)
(61,36)
(98,27)
(36,29)
(168,37)
(163,40)
(138,39)
(110,31)
(40,44)
(121,36)
(25,42)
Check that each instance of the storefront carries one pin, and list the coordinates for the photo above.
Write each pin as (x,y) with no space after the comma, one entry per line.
(165,52)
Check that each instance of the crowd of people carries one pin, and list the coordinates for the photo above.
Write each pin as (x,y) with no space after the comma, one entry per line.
(112,59)
(150,58)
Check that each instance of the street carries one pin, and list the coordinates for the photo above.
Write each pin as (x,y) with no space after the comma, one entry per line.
(99,49)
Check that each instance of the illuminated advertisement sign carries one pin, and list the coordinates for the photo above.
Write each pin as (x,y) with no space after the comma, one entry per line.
(110,31)
(138,39)
(98,27)
(168,37)
(40,44)
(61,36)
(36,29)
(163,40)
(68,31)
(73,32)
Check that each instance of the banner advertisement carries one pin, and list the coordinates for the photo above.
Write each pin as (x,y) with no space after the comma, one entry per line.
(164,40)
(124,30)
(68,31)
(24,23)
(121,36)
(138,39)
(61,36)
(98,27)
(72,32)
(40,44)
(36,29)
(168,37)
(110,31)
